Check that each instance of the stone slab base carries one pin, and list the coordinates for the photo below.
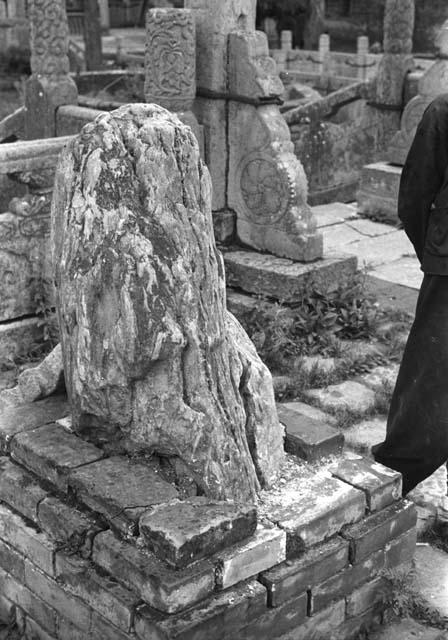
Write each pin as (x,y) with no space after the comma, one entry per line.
(314,565)
(283,279)
(378,191)
(344,192)
(18,337)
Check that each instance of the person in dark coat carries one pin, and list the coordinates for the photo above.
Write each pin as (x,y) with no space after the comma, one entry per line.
(416,441)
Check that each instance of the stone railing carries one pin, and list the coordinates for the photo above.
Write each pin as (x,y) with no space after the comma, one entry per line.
(25,273)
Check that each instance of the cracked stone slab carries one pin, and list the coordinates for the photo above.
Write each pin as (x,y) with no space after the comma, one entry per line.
(182,532)
(120,490)
(51,453)
(345,395)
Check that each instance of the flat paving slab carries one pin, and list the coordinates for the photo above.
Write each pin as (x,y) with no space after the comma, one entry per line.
(364,434)
(431,578)
(333,213)
(405,271)
(345,395)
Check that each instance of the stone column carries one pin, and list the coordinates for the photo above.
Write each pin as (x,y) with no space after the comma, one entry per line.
(215,19)
(286,40)
(170,63)
(362,50)
(396,62)
(433,83)
(49,86)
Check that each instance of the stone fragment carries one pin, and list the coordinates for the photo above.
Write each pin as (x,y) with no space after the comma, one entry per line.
(290,579)
(28,417)
(120,490)
(19,489)
(17,338)
(34,630)
(311,507)
(378,191)
(266,548)
(29,542)
(182,377)
(219,617)
(407,628)
(404,272)
(224,227)
(102,629)
(431,578)
(52,453)
(102,594)
(182,532)
(12,561)
(307,438)
(41,381)
(344,395)
(376,530)
(280,278)
(310,411)
(139,570)
(381,485)
(7,611)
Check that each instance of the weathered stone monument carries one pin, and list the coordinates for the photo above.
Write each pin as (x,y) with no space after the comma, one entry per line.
(152,358)
(256,177)
(49,85)
(432,83)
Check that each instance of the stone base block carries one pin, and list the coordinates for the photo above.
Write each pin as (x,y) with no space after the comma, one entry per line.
(283,279)
(67,570)
(378,192)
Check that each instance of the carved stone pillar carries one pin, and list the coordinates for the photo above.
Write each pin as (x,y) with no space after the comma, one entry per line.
(433,82)
(49,86)
(267,184)
(397,61)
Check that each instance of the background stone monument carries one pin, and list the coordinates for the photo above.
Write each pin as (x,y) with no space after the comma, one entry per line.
(433,82)
(49,85)
(152,358)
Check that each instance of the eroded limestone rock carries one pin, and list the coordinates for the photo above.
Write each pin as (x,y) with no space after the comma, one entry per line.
(151,355)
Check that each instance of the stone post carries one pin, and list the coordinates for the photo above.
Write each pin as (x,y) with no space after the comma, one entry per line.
(49,85)
(215,19)
(104,15)
(396,62)
(286,40)
(433,83)
(362,50)
(170,59)
(324,54)
(92,35)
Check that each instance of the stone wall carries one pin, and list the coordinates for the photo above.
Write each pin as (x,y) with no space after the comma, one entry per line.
(72,563)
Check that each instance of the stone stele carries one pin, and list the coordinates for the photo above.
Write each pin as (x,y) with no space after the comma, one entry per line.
(151,355)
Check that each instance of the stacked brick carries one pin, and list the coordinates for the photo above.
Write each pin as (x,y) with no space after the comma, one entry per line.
(76,563)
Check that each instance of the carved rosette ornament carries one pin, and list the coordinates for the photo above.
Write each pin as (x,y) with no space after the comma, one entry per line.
(170,59)
(49,37)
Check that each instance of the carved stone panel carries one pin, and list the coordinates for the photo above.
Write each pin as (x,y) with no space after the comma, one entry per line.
(49,37)
(170,59)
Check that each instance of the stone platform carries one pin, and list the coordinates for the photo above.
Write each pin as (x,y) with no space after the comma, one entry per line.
(85,541)
(378,191)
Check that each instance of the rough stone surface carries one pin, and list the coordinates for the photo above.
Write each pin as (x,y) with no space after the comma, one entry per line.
(17,339)
(407,629)
(309,411)
(280,278)
(381,485)
(311,507)
(363,435)
(66,524)
(182,532)
(43,380)
(334,213)
(344,395)
(266,548)
(308,438)
(14,420)
(321,624)
(378,191)
(144,281)
(120,490)
(380,377)
(162,588)
(404,271)
(51,453)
